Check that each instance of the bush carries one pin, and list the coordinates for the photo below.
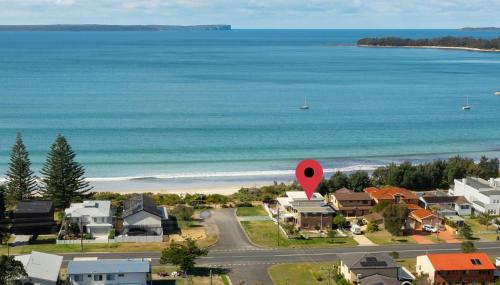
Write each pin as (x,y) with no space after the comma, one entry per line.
(244,204)
(87,236)
(394,255)
(112,234)
(372,227)
(467,247)
(183,212)
(318,276)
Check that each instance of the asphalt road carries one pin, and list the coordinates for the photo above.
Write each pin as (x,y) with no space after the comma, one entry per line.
(231,235)
(254,261)
(248,263)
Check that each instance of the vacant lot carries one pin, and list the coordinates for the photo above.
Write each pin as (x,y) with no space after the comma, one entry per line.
(265,233)
(314,273)
(251,211)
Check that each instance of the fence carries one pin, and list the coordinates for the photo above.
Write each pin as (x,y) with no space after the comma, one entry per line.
(144,239)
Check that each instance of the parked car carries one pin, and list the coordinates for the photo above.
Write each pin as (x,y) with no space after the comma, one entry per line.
(429,228)
(355,229)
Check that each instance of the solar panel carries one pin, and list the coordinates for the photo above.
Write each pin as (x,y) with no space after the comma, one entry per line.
(475,261)
(373,263)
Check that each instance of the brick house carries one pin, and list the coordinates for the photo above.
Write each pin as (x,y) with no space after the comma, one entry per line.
(393,195)
(456,268)
(305,214)
(418,218)
(350,203)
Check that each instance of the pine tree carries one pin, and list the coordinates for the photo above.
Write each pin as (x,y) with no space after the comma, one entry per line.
(21,181)
(2,202)
(63,177)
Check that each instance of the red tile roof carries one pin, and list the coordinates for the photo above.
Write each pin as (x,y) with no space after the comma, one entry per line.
(461,261)
(389,193)
(421,214)
(412,207)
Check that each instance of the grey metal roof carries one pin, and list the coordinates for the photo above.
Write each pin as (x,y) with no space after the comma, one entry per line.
(321,210)
(140,203)
(378,279)
(477,184)
(368,260)
(491,193)
(33,206)
(41,265)
(109,266)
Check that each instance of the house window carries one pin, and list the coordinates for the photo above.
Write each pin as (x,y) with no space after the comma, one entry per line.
(95,220)
(110,277)
(98,277)
(120,275)
(78,278)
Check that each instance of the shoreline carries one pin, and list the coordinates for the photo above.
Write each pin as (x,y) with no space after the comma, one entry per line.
(434,47)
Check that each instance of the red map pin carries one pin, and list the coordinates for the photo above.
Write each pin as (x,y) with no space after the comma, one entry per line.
(309,174)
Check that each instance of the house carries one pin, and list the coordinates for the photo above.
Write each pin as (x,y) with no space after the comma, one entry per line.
(304,213)
(373,218)
(418,218)
(33,218)
(109,272)
(41,268)
(484,196)
(350,203)
(456,268)
(459,204)
(394,195)
(141,216)
(95,217)
(370,268)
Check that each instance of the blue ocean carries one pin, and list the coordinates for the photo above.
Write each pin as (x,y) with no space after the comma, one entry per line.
(190,108)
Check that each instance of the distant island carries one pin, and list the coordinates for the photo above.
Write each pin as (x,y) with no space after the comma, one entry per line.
(462,43)
(480,29)
(110,28)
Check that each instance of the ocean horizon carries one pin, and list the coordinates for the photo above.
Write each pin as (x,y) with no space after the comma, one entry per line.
(162,110)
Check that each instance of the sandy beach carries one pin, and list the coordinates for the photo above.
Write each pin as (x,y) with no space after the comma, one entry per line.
(435,47)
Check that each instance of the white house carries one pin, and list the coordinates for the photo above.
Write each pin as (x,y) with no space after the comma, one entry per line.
(109,272)
(94,216)
(141,216)
(483,195)
(41,268)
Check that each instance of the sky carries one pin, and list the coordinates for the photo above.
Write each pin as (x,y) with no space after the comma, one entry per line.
(242,14)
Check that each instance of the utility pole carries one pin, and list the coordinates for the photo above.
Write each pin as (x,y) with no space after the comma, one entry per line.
(278,220)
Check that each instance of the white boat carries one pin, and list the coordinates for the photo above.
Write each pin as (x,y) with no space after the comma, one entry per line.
(305,106)
(497,93)
(466,106)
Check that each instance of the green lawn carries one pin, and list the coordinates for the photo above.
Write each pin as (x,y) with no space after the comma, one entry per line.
(301,273)
(66,248)
(265,233)
(251,211)
(477,228)
(384,237)
(409,263)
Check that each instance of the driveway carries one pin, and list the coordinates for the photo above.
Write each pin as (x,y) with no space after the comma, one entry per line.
(362,240)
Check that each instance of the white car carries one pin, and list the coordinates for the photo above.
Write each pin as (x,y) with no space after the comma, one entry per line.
(429,228)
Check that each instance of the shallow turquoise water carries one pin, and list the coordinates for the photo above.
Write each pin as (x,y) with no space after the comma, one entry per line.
(195,103)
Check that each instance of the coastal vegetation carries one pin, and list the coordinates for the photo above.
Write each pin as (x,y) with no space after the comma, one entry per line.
(21,180)
(63,178)
(449,42)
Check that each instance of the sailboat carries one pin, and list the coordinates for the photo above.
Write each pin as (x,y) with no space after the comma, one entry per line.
(466,106)
(497,93)
(305,106)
